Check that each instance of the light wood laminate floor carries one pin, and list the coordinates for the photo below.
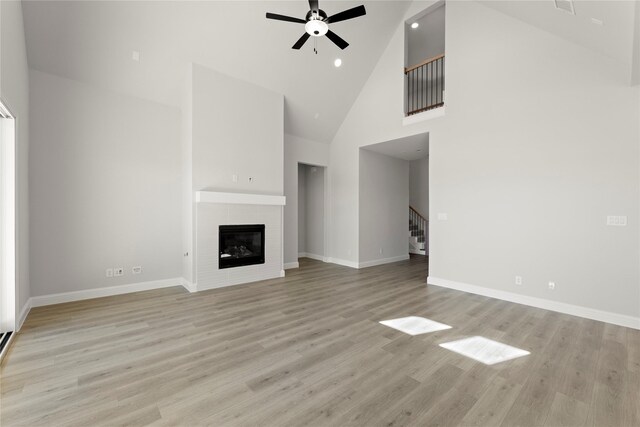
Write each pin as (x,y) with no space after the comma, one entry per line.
(308,350)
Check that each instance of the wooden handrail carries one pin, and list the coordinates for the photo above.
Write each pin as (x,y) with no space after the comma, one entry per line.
(425,62)
(418,213)
(427,108)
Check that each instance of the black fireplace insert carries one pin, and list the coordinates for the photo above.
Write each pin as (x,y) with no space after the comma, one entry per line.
(241,245)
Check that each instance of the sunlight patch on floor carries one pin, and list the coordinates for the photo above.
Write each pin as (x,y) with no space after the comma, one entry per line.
(414,325)
(484,350)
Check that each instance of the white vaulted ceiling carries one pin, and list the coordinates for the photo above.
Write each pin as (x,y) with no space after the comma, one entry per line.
(92,42)
(613,37)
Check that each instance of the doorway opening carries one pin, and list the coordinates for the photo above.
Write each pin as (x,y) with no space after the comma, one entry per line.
(394,200)
(419,205)
(311,211)
(7,227)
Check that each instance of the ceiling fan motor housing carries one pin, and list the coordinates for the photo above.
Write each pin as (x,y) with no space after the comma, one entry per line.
(315,25)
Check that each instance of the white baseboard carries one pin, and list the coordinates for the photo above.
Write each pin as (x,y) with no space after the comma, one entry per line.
(312,256)
(344,262)
(289,265)
(43,300)
(375,262)
(560,307)
(191,287)
(302,254)
(366,264)
(282,273)
(23,314)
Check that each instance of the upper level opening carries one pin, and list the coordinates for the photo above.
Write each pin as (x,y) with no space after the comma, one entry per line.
(425,60)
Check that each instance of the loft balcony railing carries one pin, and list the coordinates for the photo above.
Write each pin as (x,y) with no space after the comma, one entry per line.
(425,85)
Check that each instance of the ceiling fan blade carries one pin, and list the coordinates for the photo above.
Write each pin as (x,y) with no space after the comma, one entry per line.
(339,41)
(285,18)
(347,14)
(313,4)
(301,41)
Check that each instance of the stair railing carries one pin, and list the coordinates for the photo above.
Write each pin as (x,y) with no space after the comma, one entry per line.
(425,85)
(418,222)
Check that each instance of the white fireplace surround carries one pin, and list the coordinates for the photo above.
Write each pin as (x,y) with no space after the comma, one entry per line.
(218,208)
(239,198)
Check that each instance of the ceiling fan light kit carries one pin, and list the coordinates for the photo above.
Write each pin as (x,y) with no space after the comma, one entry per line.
(316,23)
(316,28)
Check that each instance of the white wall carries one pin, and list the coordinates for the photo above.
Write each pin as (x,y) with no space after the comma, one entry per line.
(302,208)
(384,207)
(419,185)
(297,150)
(428,40)
(188,208)
(528,178)
(105,187)
(635,58)
(314,211)
(14,92)
(238,129)
(345,192)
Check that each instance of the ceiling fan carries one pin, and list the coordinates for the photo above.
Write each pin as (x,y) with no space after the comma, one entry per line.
(316,23)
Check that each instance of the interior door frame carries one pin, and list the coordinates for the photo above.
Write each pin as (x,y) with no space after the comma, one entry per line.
(8,223)
(326,211)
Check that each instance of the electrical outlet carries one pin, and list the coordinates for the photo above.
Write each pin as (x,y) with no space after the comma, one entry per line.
(118,271)
(518,280)
(381,251)
(617,220)
(108,272)
(552,285)
(234,178)
(136,270)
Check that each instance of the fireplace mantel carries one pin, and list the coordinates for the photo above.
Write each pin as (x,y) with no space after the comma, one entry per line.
(239,198)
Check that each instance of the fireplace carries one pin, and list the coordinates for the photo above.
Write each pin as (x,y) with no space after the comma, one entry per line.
(241,245)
